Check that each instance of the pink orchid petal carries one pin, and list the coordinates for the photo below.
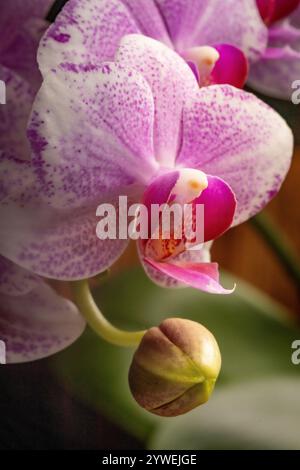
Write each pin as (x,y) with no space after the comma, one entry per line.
(158,191)
(90,30)
(231,68)
(22,52)
(233,135)
(171,81)
(194,69)
(279,67)
(37,324)
(149,19)
(219,207)
(86,31)
(56,244)
(275,10)
(282,34)
(203,276)
(15,280)
(22,25)
(275,73)
(164,280)
(92,133)
(205,22)
(14,116)
(53,243)
(15,14)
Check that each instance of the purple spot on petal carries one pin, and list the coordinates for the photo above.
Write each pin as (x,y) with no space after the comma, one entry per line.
(60,37)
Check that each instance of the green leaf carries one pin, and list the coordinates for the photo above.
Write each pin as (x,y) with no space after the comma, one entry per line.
(258,415)
(253,332)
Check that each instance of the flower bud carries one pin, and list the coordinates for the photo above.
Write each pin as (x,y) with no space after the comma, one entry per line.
(175,367)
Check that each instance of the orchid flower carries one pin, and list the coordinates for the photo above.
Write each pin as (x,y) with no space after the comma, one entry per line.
(139,126)
(215,37)
(35,321)
(279,65)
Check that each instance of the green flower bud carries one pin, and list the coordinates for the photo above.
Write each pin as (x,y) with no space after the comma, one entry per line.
(175,367)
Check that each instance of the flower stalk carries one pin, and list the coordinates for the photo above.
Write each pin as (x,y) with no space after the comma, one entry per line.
(97,321)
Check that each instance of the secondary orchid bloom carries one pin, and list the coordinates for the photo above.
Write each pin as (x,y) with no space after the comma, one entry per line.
(279,65)
(22,25)
(215,37)
(139,126)
(35,322)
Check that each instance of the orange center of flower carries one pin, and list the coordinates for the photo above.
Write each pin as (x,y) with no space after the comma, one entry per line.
(169,237)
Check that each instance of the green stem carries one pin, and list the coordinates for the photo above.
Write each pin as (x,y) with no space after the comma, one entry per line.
(280,246)
(97,321)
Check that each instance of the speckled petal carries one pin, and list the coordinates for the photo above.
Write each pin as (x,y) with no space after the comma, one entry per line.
(148,17)
(164,280)
(231,134)
(15,280)
(37,324)
(54,243)
(206,22)
(86,31)
(91,132)
(202,276)
(171,81)
(50,213)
